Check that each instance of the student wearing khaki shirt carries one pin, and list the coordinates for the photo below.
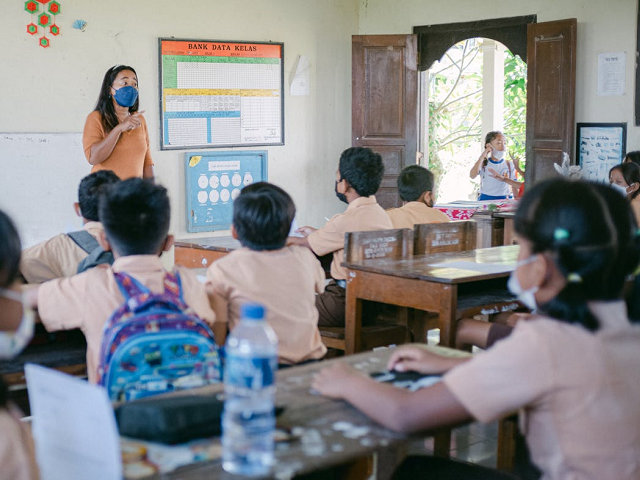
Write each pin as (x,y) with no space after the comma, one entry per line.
(59,256)
(416,187)
(571,371)
(17,455)
(358,178)
(135,214)
(285,279)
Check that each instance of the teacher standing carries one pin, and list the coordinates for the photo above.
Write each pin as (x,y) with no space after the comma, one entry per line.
(115,134)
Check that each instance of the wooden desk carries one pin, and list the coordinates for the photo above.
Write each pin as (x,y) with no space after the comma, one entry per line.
(425,282)
(490,229)
(201,252)
(508,218)
(332,432)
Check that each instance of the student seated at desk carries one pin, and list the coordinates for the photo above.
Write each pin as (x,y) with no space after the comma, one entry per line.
(572,371)
(285,279)
(17,457)
(135,215)
(59,256)
(416,187)
(359,174)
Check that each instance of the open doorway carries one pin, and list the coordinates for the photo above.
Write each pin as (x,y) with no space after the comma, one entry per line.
(477,86)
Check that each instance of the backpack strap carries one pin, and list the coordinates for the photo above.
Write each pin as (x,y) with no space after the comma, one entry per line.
(173,285)
(84,240)
(128,285)
(95,258)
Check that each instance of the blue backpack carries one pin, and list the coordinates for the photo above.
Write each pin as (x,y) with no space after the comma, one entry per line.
(154,343)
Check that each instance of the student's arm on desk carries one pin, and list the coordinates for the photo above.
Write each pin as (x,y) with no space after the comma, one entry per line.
(30,295)
(395,408)
(303,241)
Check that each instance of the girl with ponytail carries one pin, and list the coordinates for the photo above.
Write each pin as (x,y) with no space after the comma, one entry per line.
(571,370)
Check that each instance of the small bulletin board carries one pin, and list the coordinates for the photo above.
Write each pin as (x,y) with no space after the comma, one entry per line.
(600,147)
(214,181)
(220,94)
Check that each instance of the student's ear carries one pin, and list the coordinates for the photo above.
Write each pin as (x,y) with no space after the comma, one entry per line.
(102,241)
(234,233)
(76,207)
(634,187)
(168,243)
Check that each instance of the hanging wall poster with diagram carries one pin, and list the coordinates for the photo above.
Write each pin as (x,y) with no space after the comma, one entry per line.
(600,146)
(220,94)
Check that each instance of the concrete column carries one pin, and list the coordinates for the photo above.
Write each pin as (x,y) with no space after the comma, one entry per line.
(492,86)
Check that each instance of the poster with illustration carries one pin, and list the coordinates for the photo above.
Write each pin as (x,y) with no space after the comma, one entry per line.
(600,146)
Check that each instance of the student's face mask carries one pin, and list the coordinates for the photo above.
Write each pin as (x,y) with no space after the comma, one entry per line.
(341,196)
(497,154)
(619,188)
(12,343)
(126,96)
(526,297)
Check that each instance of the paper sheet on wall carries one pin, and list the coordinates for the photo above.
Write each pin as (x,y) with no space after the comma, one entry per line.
(611,73)
(300,82)
(74,427)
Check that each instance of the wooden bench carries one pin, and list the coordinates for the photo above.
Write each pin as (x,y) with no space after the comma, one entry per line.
(359,246)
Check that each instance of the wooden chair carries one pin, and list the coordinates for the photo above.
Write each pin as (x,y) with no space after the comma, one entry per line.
(376,244)
(445,237)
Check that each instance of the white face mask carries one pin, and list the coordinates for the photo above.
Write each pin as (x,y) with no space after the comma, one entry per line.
(619,188)
(497,154)
(12,343)
(526,297)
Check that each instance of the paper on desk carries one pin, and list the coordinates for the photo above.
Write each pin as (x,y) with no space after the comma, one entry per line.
(74,427)
(300,82)
(475,267)
(294,227)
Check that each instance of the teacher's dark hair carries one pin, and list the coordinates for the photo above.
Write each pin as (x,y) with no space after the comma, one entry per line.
(590,233)
(104,105)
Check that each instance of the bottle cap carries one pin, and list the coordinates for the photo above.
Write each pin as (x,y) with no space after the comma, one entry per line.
(252,311)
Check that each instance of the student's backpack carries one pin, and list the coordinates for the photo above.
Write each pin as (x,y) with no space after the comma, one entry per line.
(89,244)
(154,343)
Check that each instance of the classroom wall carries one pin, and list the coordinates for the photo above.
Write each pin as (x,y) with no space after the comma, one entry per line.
(53,90)
(603,26)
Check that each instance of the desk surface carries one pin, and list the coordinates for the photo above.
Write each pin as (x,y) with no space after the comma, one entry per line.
(458,267)
(511,214)
(218,244)
(331,432)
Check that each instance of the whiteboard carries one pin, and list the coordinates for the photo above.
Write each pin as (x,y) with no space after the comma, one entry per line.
(39,177)
(220,94)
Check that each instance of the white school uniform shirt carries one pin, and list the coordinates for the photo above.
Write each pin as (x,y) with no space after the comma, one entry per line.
(492,186)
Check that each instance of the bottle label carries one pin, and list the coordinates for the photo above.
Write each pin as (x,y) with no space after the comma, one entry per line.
(254,373)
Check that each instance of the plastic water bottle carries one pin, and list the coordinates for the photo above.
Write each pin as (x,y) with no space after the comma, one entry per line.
(248,420)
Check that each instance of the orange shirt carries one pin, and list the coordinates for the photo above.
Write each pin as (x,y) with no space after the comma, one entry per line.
(131,153)
(412,213)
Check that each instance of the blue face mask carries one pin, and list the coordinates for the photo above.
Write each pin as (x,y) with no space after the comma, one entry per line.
(126,96)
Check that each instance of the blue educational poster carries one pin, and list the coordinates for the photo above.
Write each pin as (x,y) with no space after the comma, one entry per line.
(214,181)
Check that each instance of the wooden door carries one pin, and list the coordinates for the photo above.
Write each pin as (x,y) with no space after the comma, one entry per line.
(551,86)
(385,103)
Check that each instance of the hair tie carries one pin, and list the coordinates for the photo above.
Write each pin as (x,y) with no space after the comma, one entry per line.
(638,232)
(561,234)
(574,277)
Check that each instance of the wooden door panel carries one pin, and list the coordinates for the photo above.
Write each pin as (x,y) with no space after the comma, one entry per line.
(384,104)
(551,61)
(384,81)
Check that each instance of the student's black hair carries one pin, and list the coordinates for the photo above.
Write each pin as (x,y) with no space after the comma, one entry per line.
(104,105)
(262,216)
(90,189)
(488,138)
(633,157)
(631,174)
(135,214)
(413,181)
(591,234)
(363,169)
(10,249)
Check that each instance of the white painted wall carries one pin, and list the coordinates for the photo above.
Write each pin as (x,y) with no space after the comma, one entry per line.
(603,26)
(53,90)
